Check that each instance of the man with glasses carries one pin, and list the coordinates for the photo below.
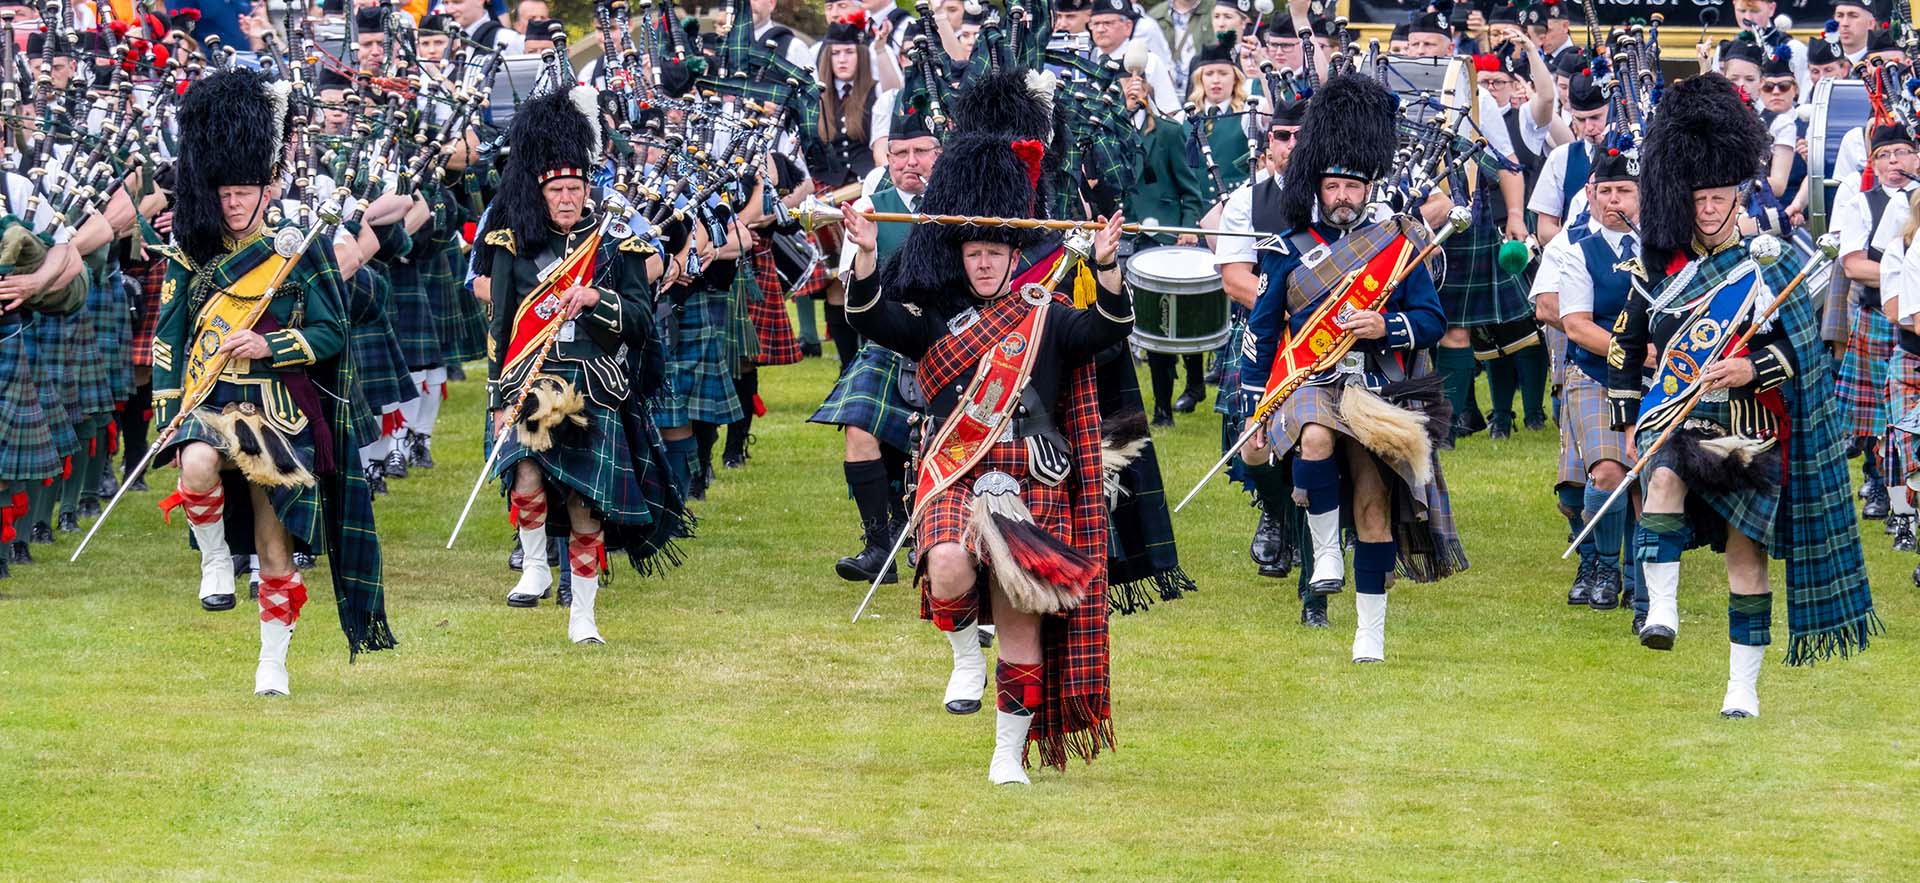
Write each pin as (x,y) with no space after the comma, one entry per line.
(1868,220)
(1111,29)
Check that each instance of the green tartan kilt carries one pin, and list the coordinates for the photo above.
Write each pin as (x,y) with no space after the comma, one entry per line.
(1750,512)
(297,507)
(412,315)
(116,336)
(379,366)
(868,397)
(366,420)
(445,292)
(593,461)
(697,369)
(1475,292)
(26,439)
(86,363)
(471,342)
(59,396)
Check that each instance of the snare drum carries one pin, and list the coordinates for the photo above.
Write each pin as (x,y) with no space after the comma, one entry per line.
(1179,302)
(1838,107)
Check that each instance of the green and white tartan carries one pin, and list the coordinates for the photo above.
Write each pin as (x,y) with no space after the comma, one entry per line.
(1475,291)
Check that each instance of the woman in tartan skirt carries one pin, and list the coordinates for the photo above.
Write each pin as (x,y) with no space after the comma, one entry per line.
(1757,469)
(1031,508)
(1900,300)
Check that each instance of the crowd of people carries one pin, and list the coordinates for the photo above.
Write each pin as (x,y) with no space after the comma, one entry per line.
(263,253)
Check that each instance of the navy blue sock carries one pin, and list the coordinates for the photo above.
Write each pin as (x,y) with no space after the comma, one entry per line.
(1750,619)
(1320,479)
(1661,537)
(680,454)
(1572,500)
(1636,587)
(1611,530)
(1372,562)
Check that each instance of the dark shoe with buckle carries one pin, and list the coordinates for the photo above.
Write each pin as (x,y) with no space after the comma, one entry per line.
(563,590)
(871,561)
(420,451)
(517,558)
(42,534)
(69,522)
(1582,588)
(1536,423)
(1268,547)
(1186,403)
(216,603)
(1162,418)
(1314,617)
(1877,503)
(1656,637)
(809,350)
(1212,375)
(396,463)
(1605,588)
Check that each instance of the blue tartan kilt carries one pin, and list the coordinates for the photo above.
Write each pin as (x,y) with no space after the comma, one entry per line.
(697,363)
(1475,291)
(868,397)
(412,315)
(1902,448)
(1586,438)
(298,508)
(59,396)
(1862,381)
(86,358)
(380,367)
(593,461)
(26,439)
(116,335)
(1750,512)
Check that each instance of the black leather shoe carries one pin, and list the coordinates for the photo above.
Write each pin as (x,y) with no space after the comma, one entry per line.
(376,484)
(1916,575)
(1877,505)
(1605,589)
(216,603)
(420,451)
(90,506)
(1639,622)
(1327,586)
(138,485)
(456,372)
(862,568)
(42,534)
(302,561)
(1535,424)
(1186,403)
(396,463)
(1734,714)
(517,558)
(1314,618)
(986,639)
(563,590)
(1902,532)
(515,599)
(809,350)
(1582,588)
(963,706)
(69,522)
(19,553)
(1212,377)
(1656,637)
(1162,417)
(1268,547)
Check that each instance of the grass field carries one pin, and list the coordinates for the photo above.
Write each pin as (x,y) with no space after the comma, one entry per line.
(737,727)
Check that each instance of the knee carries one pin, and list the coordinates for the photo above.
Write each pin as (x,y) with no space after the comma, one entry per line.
(950,569)
(1316,442)
(1665,486)
(861,445)
(199,466)
(526,477)
(1455,337)
(1607,475)
(581,515)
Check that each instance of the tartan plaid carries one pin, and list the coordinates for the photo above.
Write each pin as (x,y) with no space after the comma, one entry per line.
(778,344)
(1076,718)
(59,394)
(459,317)
(411,312)
(1475,292)
(1227,404)
(1862,383)
(1836,312)
(1586,433)
(1423,525)
(26,440)
(697,366)
(1143,562)
(1902,449)
(594,461)
(147,309)
(1811,518)
(867,396)
(743,339)
(379,366)
(87,356)
(1556,341)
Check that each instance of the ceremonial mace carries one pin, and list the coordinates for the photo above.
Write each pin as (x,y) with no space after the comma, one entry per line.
(814,214)
(1458,219)
(1829,246)
(329,215)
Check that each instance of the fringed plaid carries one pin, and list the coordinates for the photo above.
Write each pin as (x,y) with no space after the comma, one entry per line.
(743,339)
(47,361)
(1076,718)
(1862,384)
(411,312)
(1902,449)
(778,343)
(1143,563)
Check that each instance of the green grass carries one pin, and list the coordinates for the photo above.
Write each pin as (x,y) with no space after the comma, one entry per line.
(736,726)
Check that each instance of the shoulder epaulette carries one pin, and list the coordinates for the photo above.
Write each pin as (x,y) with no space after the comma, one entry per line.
(1634,266)
(175,254)
(502,238)
(635,245)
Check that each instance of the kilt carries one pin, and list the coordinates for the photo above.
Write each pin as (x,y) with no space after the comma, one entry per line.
(1585,437)
(299,508)
(116,333)
(147,309)
(365,420)
(1861,385)
(471,341)
(379,366)
(945,520)
(59,395)
(26,440)
(1709,516)
(1902,449)
(412,315)
(1475,292)
(1422,514)
(443,293)
(868,397)
(593,461)
(1228,402)
(697,362)
(87,357)
(778,344)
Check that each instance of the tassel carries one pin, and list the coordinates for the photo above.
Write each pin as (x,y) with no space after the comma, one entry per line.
(1396,435)
(1039,573)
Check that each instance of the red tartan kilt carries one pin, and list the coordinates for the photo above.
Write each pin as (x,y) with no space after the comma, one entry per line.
(946,518)
(151,276)
(778,344)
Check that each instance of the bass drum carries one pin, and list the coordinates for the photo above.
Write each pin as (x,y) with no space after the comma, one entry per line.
(1839,106)
(1179,302)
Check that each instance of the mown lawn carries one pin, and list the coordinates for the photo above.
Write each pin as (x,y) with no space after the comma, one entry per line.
(737,726)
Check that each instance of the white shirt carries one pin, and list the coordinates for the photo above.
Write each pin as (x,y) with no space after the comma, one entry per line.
(1576,284)
(19,198)
(865,204)
(1850,218)
(798,50)
(1490,124)
(506,40)
(881,125)
(1237,215)
(1900,282)
(1550,189)
(1852,158)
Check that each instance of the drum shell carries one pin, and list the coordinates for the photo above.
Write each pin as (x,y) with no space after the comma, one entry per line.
(1179,302)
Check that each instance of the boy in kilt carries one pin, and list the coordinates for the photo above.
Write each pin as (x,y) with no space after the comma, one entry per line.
(1012,484)
(1869,218)
(1757,469)
(1344,445)
(572,362)
(265,457)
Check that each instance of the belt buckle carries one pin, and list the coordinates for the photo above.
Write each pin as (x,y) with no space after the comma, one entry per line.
(1353,363)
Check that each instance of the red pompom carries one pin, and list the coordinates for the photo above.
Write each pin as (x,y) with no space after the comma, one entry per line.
(190,14)
(858,19)
(1030,152)
(118,27)
(1487,63)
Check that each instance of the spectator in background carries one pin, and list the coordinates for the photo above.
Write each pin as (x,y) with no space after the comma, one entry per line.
(471,16)
(786,42)
(527,11)
(218,18)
